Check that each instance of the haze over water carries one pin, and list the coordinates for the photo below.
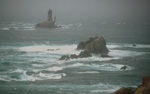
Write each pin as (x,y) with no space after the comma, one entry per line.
(27,67)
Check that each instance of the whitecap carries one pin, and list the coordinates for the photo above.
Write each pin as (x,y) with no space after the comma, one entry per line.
(88,72)
(5,28)
(54,69)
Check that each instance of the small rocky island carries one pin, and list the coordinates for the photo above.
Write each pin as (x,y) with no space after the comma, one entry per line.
(94,45)
(50,23)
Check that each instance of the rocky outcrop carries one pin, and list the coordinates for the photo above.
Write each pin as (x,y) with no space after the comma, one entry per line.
(65,57)
(128,90)
(145,87)
(142,89)
(83,54)
(95,45)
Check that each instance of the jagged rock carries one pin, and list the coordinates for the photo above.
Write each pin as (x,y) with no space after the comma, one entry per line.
(81,45)
(145,87)
(95,45)
(84,54)
(124,91)
(65,57)
(104,55)
(123,68)
(142,89)
(73,56)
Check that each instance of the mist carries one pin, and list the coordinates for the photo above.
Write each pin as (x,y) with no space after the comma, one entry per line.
(77,9)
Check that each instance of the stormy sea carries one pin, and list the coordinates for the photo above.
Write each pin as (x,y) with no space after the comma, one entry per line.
(28,67)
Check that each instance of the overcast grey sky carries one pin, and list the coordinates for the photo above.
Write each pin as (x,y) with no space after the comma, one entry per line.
(128,9)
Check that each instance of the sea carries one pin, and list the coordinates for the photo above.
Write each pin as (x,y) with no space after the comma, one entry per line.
(29,56)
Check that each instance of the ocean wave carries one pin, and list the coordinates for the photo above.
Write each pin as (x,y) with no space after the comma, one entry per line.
(102,67)
(70,25)
(111,46)
(18,26)
(53,49)
(88,72)
(21,75)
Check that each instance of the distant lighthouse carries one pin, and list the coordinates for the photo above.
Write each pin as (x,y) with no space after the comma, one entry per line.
(50,18)
(50,23)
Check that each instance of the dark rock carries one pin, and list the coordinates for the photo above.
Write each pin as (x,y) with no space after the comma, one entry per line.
(123,68)
(81,45)
(65,57)
(73,56)
(50,49)
(84,54)
(124,91)
(144,88)
(104,55)
(95,45)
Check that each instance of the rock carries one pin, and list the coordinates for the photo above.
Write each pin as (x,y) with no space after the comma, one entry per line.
(65,57)
(128,90)
(73,56)
(145,87)
(142,89)
(50,49)
(104,55)
(95,45)
(123,68)
(134,45)
(81,45)
(84,54)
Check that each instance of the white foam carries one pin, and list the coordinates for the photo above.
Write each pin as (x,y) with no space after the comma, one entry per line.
(38,65)
(5,28)
(128,45)
(54,69)
(88,72)
(103,67)
(54,49)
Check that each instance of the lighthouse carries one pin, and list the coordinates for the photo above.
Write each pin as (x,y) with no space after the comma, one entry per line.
(50,16)
(50,23)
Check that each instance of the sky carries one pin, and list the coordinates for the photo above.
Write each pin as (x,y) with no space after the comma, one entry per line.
(104,9)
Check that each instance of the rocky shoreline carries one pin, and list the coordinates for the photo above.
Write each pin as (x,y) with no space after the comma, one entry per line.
(144,88)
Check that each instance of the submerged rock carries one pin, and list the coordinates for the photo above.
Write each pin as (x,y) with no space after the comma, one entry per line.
(104,55)
(65,57)
(73,56)
(142,89)
(123,68)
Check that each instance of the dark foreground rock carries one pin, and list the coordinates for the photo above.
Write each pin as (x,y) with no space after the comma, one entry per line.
(95,45)
(128,90)
(144,88)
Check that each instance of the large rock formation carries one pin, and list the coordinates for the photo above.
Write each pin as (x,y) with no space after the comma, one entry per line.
(95,45)
(142,89)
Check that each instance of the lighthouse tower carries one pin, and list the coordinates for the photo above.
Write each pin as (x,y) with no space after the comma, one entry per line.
(50,16)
